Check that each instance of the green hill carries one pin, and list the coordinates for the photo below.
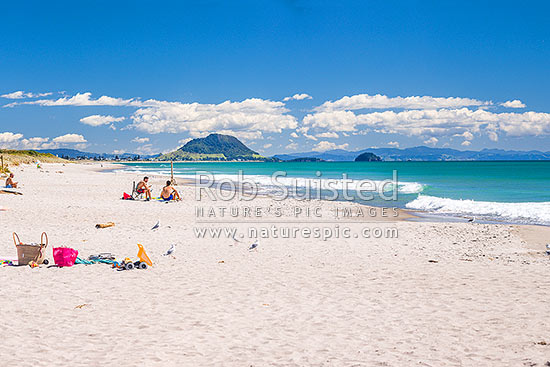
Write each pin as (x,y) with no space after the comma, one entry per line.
(215,147)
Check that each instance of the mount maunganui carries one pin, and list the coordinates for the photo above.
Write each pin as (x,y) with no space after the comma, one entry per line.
(216,147)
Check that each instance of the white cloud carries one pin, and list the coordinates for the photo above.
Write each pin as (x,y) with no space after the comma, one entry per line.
(293,134)
(466,143)
(516,103)
(10,140)
(21,95)
(292,146)
(247,119)
(362,101)
(328,135)
(146,149)
(298,97)
(445,122)
(8,137)
(184,141)
(69,138)
(466,135)
(140,140)
(83,99)
(98,120)
(431,141)
(394,144)
(310,137)
(324,145)
(267,146)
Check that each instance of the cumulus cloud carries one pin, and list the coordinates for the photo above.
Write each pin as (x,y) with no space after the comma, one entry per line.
(431,141)
(292,146)
(364,101)
(98,120)
(328,135)
(69,138)
(267,146)
(293,134)
(8,137)
(82,99)
(466,143)
(516,103)
(324,145)
(10,140)
(298,97)
(140,140)
(394,144)
(184,141)
(249,118)
(21,95)
(444,122)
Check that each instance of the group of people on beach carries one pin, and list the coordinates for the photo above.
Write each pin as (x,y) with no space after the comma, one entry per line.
(168,192)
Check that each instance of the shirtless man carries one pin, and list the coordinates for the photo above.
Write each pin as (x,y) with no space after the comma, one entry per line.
(169,193)
(142,188)
(9,182)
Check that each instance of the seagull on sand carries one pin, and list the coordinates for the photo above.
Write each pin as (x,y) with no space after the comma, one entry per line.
(254,246)
(472,219)
(170,251)
(548,249)
(156,225)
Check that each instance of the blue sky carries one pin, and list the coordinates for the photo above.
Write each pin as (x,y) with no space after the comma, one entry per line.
(416,73)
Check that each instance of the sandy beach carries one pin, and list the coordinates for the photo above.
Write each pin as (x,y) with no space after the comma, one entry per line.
(441,294)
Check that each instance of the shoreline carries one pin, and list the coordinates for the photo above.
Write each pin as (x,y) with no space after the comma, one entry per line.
(411,214)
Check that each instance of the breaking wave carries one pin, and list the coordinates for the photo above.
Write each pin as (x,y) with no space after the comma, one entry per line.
(532,212)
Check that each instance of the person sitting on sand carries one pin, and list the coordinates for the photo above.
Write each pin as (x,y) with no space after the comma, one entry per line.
(142,188)
(169,193)
(10,184)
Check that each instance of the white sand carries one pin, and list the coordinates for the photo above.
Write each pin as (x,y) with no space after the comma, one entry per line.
(303,302)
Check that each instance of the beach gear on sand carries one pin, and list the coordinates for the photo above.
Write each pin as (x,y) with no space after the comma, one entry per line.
(127,264)
(105,225)
(94,261)
(27,252)
(64,256)
(143,256)
(126,196)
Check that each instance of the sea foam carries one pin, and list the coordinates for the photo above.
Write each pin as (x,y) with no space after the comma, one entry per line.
(532,212)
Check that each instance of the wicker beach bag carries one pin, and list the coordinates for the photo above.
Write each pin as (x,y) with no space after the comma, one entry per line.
(27,252)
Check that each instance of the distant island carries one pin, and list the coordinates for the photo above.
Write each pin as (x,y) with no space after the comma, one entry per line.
(306,159)
(215,147)
(368,157)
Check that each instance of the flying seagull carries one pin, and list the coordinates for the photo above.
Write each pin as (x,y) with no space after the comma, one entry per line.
(170,251)
(253,246)
(156,225)
(472,219)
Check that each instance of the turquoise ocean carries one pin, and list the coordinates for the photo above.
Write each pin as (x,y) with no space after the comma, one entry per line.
(511,192)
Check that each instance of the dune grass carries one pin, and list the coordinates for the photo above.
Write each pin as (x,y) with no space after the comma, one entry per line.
(14,158)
